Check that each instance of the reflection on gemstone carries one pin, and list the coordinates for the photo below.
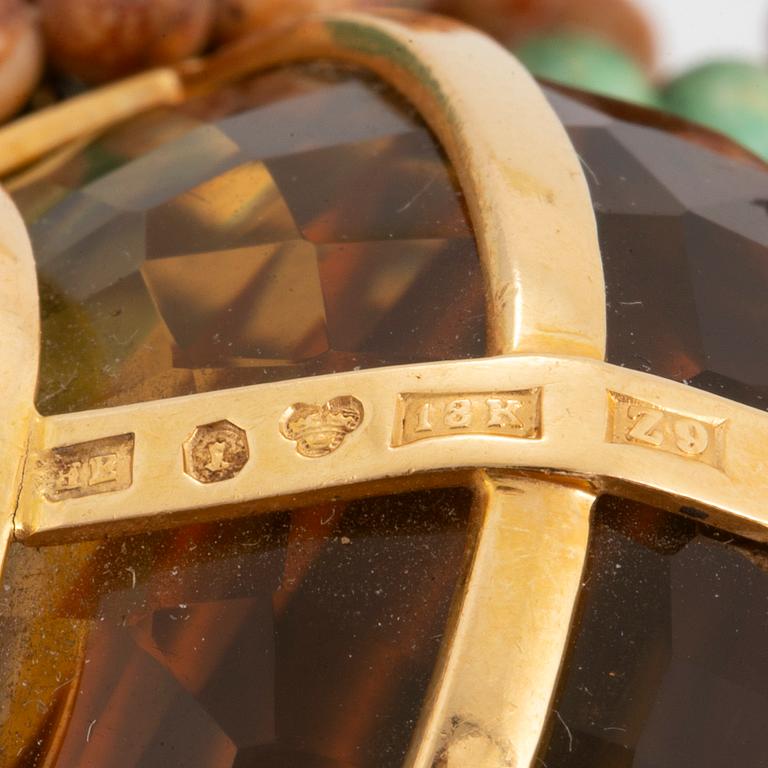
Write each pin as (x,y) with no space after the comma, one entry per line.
(303,639)
(286,192)
(684,238)
(301,222)
(669,662)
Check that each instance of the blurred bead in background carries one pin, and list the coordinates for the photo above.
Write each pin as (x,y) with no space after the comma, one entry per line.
(21,55)
(727,96)
(99,40)
(514,21)
(237,18)
(585,61)
(51,49)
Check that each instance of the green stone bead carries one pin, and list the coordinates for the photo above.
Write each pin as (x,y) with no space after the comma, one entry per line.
(589,63)
(729,96)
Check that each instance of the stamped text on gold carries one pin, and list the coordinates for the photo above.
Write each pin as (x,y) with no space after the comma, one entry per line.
(636,422)
(98,466)
(508,414)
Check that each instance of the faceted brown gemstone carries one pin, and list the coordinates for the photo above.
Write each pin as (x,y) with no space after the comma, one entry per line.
(306,222)
(684,237)
(302,639)
(668,665)
(303,222)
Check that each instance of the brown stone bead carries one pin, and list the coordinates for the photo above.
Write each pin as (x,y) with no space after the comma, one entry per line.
(238,18)
(304,638)
(21,55)
(98,40)
(298,223)
(512,21)
(668,661)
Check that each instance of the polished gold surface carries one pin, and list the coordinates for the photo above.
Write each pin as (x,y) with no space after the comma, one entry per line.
(492,692)
(18,361)
(541,433)
(577,440)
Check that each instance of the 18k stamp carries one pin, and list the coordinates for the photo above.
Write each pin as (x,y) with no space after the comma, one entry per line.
(514,414)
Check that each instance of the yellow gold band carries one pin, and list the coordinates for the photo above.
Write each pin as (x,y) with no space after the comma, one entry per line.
(603,424)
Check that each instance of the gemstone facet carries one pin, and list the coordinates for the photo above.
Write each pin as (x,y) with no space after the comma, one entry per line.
(309,224)
(303,222)
(303,638)
(684,238)
(669,661)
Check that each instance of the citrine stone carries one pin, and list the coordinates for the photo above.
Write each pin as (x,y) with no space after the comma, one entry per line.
(306,222)
(684,237)
(668,663)
(296,223)
(305,638)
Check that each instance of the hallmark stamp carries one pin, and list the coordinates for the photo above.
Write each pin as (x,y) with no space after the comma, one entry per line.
(635,422)
(319,430)
(84,469)
(507,414)
(215,452)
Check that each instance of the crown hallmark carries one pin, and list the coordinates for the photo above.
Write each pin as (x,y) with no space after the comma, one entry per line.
(320,429)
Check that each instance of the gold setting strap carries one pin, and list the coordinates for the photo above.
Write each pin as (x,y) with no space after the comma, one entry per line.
(20,322)
(556,411)
(231,452)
